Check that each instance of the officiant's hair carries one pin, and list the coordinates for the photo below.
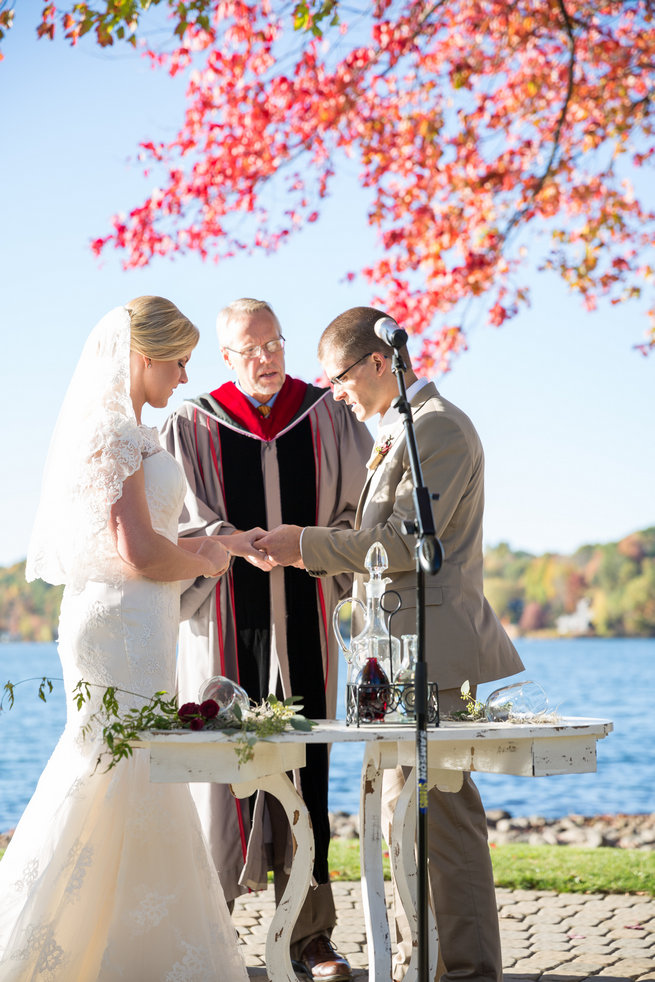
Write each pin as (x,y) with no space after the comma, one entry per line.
(159,330)
(238,310)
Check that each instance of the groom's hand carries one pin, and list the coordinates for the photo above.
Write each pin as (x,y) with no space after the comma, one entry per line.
(282,545)
(243,544)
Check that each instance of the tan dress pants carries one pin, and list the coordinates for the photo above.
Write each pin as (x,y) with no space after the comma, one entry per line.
(460,877)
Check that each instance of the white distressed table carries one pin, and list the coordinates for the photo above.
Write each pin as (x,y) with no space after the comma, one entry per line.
(526,749)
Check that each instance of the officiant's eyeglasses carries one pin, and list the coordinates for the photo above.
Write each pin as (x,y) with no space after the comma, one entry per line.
(342,376)
(275,344)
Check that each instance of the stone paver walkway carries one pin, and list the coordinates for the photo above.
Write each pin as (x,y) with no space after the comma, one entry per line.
(547,937)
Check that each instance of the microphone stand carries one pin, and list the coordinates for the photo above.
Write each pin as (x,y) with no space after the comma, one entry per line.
(429,557)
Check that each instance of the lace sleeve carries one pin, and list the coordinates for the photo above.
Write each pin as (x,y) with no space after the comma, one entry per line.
(96,445)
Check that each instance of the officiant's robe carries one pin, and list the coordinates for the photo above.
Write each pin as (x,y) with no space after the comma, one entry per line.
(302,465)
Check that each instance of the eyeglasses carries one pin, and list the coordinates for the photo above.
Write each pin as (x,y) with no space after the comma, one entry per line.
(255,350)
(341,377)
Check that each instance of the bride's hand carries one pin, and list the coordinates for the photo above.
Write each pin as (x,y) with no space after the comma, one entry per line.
(241,544)
(213,550)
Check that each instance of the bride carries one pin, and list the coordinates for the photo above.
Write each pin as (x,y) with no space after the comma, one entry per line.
(107,876)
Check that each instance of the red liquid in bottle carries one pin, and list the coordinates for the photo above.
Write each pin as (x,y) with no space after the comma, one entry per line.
(373,692)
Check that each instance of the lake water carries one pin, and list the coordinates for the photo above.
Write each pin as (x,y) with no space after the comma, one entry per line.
(612,679)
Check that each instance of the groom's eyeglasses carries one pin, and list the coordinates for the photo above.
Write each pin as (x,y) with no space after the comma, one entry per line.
(342,376)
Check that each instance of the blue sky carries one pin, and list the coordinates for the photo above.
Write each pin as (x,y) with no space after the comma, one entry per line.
(563,403)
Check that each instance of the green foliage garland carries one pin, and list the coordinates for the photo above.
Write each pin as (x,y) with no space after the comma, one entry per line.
(161,712)
(120,729)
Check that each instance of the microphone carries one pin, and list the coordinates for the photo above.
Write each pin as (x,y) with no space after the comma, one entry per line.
(387,330)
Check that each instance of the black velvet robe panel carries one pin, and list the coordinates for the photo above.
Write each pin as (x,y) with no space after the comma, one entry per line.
(246,507)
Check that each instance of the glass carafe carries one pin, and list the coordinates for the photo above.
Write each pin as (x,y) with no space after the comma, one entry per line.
(374,640)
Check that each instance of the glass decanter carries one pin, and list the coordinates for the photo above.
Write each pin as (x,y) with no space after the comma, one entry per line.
(372,655)
(374,640)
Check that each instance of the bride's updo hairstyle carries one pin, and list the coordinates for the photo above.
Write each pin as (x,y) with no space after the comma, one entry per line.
(159,330)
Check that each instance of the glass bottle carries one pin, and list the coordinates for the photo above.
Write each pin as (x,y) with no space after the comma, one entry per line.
(405,680)
(374,640)
(374,649)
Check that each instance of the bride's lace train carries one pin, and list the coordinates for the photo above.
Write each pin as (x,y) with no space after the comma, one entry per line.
(120,887)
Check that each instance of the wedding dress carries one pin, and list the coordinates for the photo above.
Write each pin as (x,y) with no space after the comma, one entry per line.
(108,876)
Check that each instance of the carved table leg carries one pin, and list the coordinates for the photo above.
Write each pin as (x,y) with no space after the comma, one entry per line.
(403,862)
(376,758)
(278,939)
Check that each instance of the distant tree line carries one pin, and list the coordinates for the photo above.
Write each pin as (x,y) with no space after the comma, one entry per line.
(28,611)
(615,583)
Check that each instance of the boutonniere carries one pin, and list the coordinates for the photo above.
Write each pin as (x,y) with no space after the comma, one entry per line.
(380,450)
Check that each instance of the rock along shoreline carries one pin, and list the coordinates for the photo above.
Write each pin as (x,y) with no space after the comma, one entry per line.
(585,831)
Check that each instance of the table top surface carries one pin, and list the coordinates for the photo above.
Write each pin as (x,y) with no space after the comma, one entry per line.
(338,731)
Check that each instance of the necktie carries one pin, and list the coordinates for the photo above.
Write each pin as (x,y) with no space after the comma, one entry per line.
(264,410)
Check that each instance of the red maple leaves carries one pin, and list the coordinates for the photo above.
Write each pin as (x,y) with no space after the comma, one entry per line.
(490,136)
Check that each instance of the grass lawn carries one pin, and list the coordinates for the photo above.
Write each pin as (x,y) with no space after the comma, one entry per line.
(564,869)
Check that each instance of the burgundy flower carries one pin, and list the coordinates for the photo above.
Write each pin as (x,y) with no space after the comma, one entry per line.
(380,450)
(197,723)
(383,448)
(188,711)
(209,708)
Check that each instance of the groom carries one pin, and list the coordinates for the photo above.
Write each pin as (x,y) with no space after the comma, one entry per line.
(465,640)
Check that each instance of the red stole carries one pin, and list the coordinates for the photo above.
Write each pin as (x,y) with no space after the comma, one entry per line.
(238,406)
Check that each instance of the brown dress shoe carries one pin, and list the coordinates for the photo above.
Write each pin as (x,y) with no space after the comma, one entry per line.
(321,960)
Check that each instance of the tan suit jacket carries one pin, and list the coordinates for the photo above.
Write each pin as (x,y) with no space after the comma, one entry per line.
(464,638)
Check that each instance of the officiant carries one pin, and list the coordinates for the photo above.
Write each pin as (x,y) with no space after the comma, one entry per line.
(264,449)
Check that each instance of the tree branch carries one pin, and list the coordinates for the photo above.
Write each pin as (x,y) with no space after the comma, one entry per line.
(516,218)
